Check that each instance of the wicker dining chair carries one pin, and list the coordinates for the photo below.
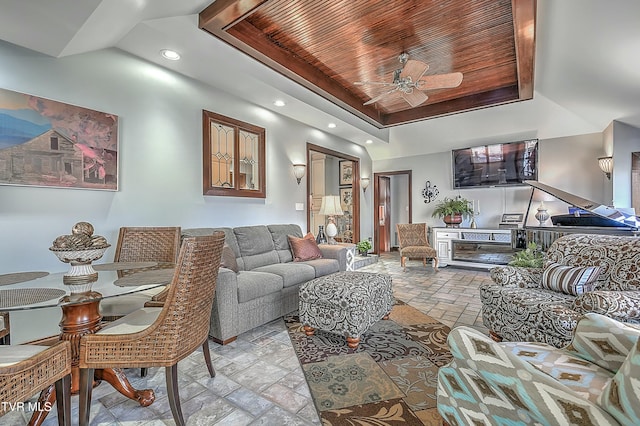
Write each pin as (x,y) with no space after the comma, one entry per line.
(142,244)
(28,369)
(160,337)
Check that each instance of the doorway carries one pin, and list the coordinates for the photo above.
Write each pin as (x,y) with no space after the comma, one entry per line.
(393,204)
(333,173)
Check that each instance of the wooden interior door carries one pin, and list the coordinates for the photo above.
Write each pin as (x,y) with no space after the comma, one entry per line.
(384,214)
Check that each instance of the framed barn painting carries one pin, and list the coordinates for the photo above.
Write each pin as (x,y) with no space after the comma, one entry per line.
(52,144)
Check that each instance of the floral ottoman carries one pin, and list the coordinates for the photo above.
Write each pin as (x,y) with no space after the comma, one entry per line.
(345,303)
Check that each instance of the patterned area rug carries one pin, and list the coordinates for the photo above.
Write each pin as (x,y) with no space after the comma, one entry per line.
(390,379)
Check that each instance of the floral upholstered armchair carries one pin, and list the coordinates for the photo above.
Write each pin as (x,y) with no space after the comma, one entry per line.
(583,273)
(593,381)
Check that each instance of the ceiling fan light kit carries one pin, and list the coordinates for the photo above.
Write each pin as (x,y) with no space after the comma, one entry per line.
(410,82)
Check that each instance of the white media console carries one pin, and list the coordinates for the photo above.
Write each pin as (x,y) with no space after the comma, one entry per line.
(472,247)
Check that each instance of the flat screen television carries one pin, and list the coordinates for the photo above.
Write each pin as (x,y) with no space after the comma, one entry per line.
(502,164)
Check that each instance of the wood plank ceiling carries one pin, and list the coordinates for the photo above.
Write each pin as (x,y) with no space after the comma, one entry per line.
(327,45)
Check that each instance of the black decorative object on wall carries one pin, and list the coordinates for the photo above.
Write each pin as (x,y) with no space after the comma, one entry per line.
(430,192)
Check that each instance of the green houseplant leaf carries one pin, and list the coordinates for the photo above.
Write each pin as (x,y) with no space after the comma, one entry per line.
(452,206)
(531,257)
(363,246)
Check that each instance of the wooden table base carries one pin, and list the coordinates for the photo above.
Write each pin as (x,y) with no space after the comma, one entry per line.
(80,316)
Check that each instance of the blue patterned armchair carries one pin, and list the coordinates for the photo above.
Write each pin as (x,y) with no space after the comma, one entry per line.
(593,381)
(583,273)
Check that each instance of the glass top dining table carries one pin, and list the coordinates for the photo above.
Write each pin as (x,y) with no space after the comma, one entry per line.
(33,290)
(81,312)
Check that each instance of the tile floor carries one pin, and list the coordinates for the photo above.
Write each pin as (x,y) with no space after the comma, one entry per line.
(259,380)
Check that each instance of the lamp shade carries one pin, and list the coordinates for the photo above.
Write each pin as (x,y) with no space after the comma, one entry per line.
(331,206)
(606,165)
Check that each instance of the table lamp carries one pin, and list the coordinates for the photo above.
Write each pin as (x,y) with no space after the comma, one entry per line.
(331,207)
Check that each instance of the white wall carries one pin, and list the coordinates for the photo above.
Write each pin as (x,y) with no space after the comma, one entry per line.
(399,203)
(160,154)
(607,151)
(568,163)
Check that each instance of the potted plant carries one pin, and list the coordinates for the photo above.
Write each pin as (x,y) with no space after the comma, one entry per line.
(531,257)
(453,210)
(363,247)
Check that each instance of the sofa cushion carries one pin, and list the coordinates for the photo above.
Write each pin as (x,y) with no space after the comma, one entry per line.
(585,378)
(621,395)
(506,309)
(132,323)
(572,280)
(126,304)
(324,266)
(616,255)
(252,285)
(292,273)
(304,248)
(279,234)
(256,246)
(229,239)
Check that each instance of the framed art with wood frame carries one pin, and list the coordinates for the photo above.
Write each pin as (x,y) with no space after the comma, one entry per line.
(346,198)
(346,172)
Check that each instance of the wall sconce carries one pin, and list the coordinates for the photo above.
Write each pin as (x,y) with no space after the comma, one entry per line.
(364,183)
(298,171)
(606,165)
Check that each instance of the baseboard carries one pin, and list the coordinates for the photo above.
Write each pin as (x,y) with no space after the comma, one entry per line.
(223,342)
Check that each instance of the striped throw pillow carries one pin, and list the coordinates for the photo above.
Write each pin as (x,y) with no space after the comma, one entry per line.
(573,280)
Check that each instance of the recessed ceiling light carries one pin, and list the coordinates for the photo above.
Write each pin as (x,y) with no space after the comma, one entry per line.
(171,55)
(279,103)
(368,141)
(332,125)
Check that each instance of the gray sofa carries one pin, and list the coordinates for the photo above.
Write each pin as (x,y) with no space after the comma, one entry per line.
(267,282)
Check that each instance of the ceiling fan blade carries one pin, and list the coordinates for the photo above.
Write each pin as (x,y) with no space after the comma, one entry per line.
(440,81)
(415,98)
(414,69)
(380,96)
(376,83)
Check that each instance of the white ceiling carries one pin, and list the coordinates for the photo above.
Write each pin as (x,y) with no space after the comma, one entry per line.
(587,68)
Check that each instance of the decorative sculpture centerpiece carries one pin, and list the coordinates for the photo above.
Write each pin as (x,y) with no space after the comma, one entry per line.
(80,249)
(542,214)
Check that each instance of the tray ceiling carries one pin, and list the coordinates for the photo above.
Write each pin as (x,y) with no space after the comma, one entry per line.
(328,45)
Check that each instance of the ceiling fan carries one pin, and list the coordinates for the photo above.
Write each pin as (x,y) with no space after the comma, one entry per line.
(410,81)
